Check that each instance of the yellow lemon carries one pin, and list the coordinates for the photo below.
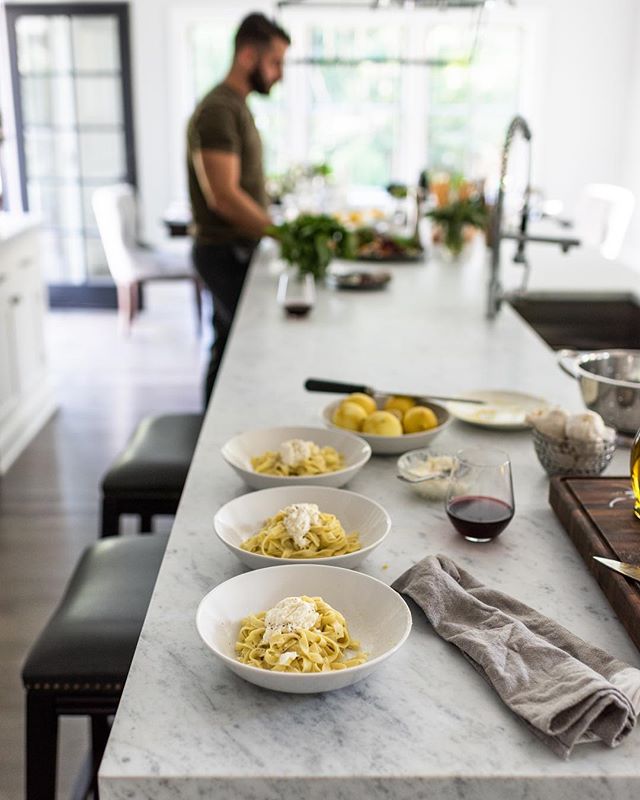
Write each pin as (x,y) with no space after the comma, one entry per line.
(419,418)
(349,415)
(382,423)
(396,413)
(366,401)
(401,403)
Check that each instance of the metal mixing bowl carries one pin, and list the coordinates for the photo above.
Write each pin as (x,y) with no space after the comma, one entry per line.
(610,384)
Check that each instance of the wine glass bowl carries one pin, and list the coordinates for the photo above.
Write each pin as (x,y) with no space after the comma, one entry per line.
(296,293)
(479,500)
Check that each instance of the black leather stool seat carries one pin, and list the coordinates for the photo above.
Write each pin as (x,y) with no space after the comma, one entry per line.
(80,662)
(93,633)
(148,477)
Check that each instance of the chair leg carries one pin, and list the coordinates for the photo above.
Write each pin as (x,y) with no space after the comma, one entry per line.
(146,523)
(134,305)
(41,746)
(110,517)
(124,308)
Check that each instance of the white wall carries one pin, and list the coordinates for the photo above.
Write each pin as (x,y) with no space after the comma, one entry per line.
(586,124)
(631,146)
(585,94)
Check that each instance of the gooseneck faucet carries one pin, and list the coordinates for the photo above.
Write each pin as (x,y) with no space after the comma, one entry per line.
(496,292)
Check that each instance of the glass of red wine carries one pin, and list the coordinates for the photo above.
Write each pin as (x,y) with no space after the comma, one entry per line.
(296,293)
(479,500)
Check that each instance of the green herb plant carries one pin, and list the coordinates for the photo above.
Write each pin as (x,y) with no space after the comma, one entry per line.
(455,216)
(310,241)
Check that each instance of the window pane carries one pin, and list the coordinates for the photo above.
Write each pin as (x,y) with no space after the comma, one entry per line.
(345,95)
(95,43)
(43,44)
(342,96)
(470,105)
(355,43)
(58,204)
(102,155)
(210,48)
(48,101)
(51,154)
(63,257)
(99,100)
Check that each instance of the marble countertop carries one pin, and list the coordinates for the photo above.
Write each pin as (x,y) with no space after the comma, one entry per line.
(424,724)
(12,225)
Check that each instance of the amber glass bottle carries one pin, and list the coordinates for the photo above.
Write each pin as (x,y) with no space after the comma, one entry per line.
(635,473)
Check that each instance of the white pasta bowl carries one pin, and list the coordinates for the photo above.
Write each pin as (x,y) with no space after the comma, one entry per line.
(239,451)
(393,445)
(243,517)
(375,614)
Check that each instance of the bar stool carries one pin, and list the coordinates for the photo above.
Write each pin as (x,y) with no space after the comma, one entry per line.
(80,661)
(149,475)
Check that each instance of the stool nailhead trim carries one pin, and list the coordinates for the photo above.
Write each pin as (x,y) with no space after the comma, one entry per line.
(76,687)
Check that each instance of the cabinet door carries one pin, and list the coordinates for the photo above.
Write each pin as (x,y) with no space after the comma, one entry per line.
(26,308)
(25,318)
(9,378)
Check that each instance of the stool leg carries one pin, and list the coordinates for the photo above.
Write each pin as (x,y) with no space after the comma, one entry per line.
(41,746)
(110,517)
(146,525)
(100,730)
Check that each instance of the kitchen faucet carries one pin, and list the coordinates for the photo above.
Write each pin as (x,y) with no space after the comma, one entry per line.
(496,293)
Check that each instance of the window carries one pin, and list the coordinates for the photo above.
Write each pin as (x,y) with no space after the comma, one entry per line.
(74,121)
(380,95)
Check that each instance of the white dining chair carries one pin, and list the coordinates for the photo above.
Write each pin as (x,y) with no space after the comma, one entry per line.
(131,263)
(602,217)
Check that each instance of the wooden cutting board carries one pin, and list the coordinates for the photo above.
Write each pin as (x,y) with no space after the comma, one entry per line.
(597,513)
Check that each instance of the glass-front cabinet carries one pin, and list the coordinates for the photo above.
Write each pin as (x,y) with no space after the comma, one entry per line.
(71,81)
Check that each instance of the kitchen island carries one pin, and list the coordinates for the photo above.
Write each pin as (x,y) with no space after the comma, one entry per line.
(424,725)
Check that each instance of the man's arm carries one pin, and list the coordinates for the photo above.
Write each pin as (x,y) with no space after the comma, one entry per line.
(219,178)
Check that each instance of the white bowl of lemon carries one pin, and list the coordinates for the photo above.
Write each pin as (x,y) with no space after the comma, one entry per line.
(391,424)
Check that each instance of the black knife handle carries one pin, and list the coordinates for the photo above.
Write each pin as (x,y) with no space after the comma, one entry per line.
(317,385)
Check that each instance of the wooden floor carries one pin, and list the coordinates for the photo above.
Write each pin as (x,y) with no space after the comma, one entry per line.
(49,499)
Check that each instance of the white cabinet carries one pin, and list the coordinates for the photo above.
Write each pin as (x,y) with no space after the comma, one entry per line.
(26,398)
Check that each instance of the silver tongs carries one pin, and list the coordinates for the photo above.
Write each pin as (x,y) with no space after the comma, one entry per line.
(336,387)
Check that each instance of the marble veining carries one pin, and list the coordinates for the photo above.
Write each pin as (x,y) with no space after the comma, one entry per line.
(425,724)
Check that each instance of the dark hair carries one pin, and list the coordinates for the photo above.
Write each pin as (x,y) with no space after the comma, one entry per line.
(256,29)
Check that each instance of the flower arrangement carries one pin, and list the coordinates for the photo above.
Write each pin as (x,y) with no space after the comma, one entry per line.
(460,209)
(310,241)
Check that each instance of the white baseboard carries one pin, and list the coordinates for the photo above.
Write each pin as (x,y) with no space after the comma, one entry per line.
(24,423)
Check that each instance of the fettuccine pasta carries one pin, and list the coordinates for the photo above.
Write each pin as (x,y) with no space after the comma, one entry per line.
(313,460)
(322,536)
(322,646)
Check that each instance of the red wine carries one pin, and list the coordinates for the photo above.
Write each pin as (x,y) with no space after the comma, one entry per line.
(478,518)
(297,309)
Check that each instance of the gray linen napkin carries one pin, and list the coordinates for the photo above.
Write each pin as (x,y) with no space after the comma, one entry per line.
(563,688)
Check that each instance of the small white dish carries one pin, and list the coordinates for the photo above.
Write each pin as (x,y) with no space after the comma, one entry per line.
(505,411)
(393,445)
(243,517)
(376,616)
(239,451)
(411,466)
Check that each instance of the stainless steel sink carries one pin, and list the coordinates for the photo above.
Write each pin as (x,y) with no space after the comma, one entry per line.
(582,322)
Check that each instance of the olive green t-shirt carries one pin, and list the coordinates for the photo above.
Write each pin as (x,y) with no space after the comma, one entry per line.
(222,121)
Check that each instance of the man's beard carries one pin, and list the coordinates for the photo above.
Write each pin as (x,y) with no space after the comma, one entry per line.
(258,82)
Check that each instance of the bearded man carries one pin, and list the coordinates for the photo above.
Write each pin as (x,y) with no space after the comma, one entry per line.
(226,177)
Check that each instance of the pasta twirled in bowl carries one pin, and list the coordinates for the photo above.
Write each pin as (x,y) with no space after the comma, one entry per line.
(301,530)
(298,457)
(299,634)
